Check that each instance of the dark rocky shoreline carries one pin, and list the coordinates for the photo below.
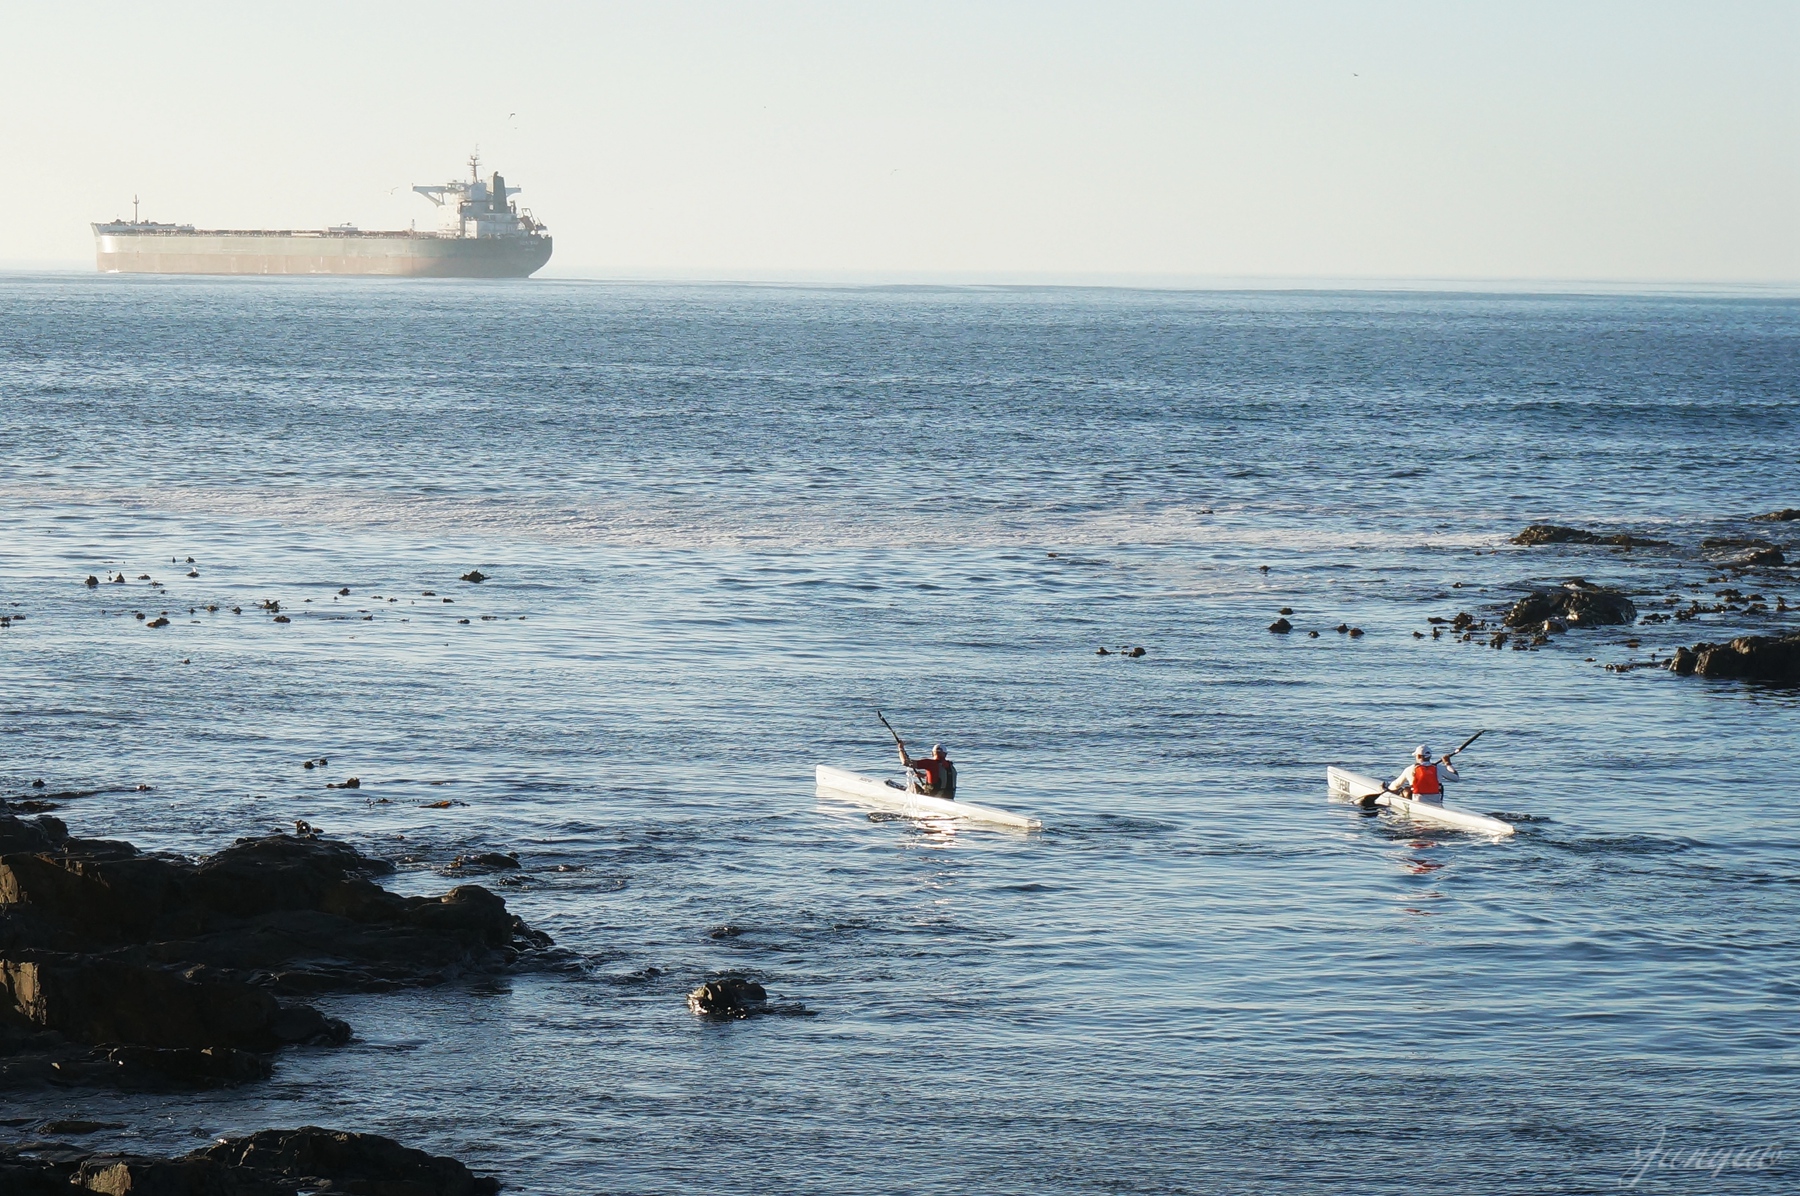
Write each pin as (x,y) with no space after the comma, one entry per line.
(267,1163)
(127,970)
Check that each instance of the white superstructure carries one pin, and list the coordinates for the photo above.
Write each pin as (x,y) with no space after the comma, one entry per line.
(478,207)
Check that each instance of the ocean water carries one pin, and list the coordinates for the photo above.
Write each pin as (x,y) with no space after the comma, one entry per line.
(723,526)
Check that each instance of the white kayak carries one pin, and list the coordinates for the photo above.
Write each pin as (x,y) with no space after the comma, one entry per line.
(917,805)
(1351,786)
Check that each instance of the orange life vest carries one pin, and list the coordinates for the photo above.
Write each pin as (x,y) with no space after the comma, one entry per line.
(1425,781)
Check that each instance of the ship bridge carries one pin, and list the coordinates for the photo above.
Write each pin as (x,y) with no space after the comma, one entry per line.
(478,207)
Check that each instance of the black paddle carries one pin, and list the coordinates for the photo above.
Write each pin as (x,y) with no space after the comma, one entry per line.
(1367,801)
(897,744)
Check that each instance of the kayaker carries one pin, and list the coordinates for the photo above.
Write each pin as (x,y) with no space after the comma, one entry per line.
(933,775)
(1423,779)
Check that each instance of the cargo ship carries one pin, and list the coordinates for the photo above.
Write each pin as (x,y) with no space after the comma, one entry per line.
(481,234)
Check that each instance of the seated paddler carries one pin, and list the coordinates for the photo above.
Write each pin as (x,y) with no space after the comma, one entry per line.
(1424,780)
(931,775)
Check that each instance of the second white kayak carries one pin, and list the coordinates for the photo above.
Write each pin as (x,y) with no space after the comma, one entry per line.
(919,805)
(1353,786)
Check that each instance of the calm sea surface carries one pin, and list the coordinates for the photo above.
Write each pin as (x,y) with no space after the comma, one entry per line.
(724,525)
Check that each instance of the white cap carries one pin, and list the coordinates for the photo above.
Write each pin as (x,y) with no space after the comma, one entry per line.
(936,748)
(1423,751)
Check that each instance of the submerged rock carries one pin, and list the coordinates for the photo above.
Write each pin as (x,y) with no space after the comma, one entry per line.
(1785,515)
(1578,604)
(473,575)
(1281,626)
(78,1126)
(1762,556)
(1749,657)
(490,860)
(267,1163)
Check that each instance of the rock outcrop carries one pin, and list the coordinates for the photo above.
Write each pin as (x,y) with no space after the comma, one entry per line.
(1749,657)
(267,1163)
(99,1000)
(1785,515)
(731,996)
(1556,533)
(116,966)
(1577,603)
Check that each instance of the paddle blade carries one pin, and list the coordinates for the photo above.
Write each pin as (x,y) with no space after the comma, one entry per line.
(1468,741)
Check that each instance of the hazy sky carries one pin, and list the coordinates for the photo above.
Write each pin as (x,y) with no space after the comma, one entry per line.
(1445,140)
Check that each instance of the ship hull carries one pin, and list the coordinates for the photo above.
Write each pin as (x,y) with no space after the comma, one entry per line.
(407,255)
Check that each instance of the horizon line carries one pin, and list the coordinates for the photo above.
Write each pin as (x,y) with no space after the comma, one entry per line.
(850,278)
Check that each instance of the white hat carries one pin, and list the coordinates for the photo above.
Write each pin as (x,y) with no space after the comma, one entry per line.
(936,748)
(1422,750)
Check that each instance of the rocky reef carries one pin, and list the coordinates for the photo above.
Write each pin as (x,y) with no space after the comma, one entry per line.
(267,1163)
(128,969)
(1556,533)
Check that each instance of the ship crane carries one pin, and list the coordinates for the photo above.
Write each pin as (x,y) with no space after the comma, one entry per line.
(479,207)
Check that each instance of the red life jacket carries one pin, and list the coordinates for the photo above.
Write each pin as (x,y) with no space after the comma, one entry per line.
(1425,781)
(938,777)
